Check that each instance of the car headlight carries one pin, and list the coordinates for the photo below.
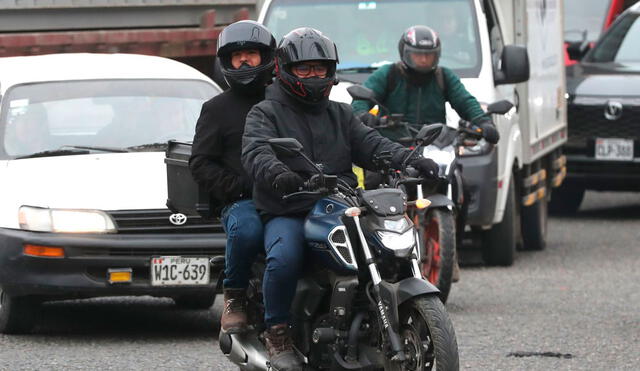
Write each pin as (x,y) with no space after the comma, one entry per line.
(40,219)
(398,241)
(481,147)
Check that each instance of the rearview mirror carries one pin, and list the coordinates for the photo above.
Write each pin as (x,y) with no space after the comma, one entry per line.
(500,107)
(577,50)
(287,147)
(360,92)
(514,65)
(429,133)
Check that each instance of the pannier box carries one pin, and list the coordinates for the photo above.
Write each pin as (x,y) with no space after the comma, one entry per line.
(184,195)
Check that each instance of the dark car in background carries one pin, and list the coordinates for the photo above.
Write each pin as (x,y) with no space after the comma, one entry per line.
(603,148)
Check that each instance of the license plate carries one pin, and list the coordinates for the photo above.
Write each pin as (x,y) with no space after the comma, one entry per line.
(179,271)
(614,149)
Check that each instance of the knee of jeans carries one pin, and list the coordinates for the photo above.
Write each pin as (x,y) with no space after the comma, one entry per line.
(248,231)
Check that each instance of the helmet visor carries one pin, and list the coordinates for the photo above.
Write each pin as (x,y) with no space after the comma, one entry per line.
(420,60)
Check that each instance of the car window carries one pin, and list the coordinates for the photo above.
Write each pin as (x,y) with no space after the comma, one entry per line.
(366,33)
(106,113)
(620,44)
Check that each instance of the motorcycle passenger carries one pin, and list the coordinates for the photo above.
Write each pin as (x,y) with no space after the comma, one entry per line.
(246,53)
(297,106)
(419,88)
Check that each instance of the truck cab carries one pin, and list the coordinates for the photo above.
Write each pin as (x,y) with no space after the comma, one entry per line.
(493,46)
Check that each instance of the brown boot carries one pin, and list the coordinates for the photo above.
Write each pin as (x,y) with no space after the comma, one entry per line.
(280,349)
(234,314)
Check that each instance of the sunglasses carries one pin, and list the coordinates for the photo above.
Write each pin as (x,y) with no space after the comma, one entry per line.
(304,70)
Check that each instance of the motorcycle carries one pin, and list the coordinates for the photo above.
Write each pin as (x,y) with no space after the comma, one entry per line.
(364,303)
(442,226)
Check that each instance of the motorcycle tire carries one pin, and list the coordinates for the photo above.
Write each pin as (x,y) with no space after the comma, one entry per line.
(17,313)
(424,320)
(499,242)
(438,246)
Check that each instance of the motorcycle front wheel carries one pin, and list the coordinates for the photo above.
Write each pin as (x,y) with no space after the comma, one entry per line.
(428,337)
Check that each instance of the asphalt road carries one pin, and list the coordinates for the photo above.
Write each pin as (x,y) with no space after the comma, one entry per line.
(574,306)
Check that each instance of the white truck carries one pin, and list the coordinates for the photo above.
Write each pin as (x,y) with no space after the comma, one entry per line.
(493,45)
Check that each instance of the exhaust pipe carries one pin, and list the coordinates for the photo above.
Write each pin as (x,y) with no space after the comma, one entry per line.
(244,350)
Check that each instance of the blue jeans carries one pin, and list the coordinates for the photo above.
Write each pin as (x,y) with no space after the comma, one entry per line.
(243,226)
(285,247)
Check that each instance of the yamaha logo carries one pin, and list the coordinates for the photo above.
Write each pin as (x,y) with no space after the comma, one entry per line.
(613,110)
(178,219)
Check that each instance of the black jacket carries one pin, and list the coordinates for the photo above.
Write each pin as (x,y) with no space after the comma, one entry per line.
(215,155)
(331,136)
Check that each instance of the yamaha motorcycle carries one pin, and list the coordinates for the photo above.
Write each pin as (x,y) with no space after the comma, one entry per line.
(363,305)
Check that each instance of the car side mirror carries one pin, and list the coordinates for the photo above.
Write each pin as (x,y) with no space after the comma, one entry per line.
(286,147)
(429,133)
(500,107)
(359,92)
(577,49)
(514,65)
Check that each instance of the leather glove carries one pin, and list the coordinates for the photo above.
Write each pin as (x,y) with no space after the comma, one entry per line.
(426,166)
(288,182)
(489,132)
(369,119)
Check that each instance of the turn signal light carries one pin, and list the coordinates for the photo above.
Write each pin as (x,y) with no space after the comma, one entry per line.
(422,203)
(119,275)
(352,212)
(43,251)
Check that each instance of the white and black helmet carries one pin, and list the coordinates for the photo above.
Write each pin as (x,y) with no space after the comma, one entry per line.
(419,39)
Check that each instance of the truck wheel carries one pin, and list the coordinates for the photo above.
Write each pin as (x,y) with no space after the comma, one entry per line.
(499,242)
(566,200)
(17,313)
(438,249)
(195,301)
(534,225)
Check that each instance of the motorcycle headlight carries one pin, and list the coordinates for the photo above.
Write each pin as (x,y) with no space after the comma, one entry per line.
(398,241)
(40,219)
(481,147)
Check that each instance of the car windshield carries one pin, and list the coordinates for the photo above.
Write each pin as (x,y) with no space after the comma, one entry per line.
(582,16)
(620,44)
(99,114)
(366,33)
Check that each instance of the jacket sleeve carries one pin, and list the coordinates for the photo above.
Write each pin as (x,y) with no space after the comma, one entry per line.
(461,100)
(377,82)
(258,159)
(205,160)
(366,143)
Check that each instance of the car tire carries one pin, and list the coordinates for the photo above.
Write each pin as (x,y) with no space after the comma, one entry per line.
(17,313)
(499,242)
(566,200)
(534,225)
(195,301)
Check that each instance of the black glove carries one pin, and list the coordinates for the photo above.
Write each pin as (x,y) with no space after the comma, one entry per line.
(489,132)
(369,119)
(288,182)
(426,166)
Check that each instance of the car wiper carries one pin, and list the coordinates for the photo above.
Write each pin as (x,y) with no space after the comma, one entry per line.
(98,148)
(148,147)
(56,152)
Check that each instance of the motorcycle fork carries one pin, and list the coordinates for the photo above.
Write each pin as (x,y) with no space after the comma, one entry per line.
(388,322)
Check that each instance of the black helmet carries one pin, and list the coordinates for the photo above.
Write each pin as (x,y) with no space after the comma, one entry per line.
(244,35)
(301,45)
(419,39)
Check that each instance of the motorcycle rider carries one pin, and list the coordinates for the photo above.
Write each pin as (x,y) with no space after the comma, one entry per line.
(419,88)
(297,105)
(246,54)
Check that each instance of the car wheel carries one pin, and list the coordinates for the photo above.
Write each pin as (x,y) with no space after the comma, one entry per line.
(566,200)
(17,313)
(195,301)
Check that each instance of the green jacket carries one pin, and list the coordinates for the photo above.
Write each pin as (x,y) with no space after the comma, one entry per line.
(404,99)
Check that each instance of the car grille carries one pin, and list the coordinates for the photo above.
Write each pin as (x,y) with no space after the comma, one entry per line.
(587,122)
(157,221)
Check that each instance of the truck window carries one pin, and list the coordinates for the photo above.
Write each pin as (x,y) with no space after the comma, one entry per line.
(367,32)
(109,113)
(495,34)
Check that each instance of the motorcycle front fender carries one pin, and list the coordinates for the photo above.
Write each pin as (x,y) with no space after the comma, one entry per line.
(439,200)
(394,294)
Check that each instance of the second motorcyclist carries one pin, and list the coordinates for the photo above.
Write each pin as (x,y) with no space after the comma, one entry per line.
(246,52)
(297,106)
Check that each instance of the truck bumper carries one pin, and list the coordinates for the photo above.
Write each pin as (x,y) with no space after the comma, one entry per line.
(480,182)
(82,272)
(585,171)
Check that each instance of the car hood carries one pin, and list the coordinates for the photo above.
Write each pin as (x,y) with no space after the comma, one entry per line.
(604,79)
(114,181)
